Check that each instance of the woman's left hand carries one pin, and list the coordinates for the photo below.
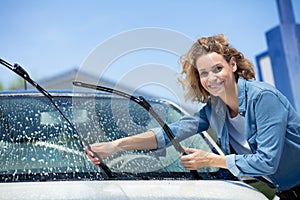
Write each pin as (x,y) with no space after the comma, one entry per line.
(195,159)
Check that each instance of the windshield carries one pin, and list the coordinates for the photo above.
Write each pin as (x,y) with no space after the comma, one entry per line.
(36,143)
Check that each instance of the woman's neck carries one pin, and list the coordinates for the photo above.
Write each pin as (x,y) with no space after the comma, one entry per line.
(231,100)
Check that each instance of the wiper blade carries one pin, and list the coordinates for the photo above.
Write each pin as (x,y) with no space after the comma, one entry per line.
(146,105)
(50,176)
(22,73)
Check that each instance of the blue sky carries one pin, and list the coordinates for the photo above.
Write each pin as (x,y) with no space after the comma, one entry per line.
(49,37)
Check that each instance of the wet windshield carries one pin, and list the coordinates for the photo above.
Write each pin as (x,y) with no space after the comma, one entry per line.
(36,142)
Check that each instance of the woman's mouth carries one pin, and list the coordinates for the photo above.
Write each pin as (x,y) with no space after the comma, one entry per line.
(215,86)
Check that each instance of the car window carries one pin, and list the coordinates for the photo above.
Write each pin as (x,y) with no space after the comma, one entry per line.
(29,146)
(35,139)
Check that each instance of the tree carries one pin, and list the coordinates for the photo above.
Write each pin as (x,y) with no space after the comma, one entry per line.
(17,83)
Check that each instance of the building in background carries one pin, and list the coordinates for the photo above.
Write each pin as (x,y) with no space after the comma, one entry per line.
(280,64)
(63,81)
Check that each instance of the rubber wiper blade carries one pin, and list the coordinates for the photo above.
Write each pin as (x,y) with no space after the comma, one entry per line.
(22,73)
(146,105)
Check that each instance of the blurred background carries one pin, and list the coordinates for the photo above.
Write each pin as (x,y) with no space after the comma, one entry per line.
(52,40)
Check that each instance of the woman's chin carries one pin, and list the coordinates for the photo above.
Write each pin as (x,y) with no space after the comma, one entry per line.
(218,92)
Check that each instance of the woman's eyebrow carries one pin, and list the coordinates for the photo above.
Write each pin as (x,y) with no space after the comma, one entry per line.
(208,68)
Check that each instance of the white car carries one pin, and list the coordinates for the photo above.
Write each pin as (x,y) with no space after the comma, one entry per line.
(42,156)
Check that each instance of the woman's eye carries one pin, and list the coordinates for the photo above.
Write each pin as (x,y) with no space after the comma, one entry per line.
(203,74)
(217,69)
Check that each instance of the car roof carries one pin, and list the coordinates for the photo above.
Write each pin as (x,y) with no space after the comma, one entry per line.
(52,92)
(81,93)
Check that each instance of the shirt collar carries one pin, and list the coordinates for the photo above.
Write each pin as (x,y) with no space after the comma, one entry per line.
(242,95)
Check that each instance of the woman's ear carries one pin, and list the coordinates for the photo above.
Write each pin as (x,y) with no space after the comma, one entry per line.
(232,63)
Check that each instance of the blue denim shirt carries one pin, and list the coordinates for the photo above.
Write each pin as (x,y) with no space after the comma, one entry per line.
(272,127)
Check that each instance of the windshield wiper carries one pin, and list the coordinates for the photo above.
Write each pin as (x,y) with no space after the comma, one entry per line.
(146,105)
(22,73)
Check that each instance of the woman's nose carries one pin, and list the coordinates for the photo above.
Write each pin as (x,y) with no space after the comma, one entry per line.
(211,76)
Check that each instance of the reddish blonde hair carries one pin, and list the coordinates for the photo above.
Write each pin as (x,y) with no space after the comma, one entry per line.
(189,76)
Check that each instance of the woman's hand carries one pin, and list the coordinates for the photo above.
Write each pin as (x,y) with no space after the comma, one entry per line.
(195,159)
(198,159)
(102,150)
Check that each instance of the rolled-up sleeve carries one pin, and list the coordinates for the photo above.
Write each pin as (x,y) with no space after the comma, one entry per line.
(160,138)
(230,162)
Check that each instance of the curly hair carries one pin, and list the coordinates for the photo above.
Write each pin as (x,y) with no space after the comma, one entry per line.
(189,76)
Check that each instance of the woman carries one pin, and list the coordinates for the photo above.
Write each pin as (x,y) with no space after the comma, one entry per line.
(257,127)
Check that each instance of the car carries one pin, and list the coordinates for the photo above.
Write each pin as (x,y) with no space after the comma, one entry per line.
(42,155)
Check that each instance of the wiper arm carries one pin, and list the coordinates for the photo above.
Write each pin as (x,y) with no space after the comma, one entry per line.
(145,104)
(22,73)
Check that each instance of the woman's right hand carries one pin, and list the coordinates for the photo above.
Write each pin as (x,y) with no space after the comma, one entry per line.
(102,150)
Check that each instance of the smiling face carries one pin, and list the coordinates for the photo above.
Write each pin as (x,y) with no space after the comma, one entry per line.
(217,75)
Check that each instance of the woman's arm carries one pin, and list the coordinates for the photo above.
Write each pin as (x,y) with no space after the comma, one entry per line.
(141,141)
(270,129)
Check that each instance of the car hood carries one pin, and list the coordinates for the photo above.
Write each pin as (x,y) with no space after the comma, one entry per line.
(206,189)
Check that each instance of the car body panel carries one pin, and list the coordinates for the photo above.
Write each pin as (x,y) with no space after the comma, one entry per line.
(207,189)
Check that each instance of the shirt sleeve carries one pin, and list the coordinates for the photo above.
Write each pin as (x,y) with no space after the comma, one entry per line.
(159,137)
(230,163)
(183,128)
(270,124)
